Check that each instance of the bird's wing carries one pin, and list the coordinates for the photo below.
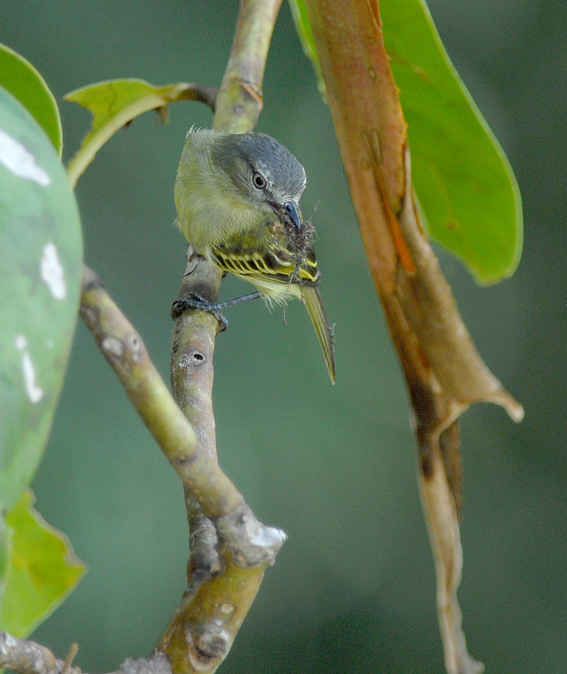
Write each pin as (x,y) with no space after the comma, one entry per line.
(270,263)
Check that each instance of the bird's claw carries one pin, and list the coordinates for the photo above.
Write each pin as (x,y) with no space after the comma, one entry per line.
(198,302)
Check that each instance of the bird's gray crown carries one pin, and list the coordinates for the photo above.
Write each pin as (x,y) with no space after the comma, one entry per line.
(240,154)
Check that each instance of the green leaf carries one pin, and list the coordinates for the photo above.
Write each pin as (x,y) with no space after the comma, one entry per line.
(114,104)
(305,33)
(43,570)
(23,81)
(464,183)
(40,263)
(466,188)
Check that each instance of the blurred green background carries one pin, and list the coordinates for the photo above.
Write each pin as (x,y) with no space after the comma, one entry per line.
(353,588)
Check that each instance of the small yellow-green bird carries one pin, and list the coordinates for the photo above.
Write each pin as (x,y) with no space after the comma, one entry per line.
(237,198)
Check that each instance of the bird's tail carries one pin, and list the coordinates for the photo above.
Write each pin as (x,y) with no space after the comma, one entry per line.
(314,303)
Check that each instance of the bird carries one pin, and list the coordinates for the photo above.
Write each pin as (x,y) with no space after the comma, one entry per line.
(237,198)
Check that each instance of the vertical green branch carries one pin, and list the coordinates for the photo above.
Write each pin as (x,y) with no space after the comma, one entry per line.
(224,575)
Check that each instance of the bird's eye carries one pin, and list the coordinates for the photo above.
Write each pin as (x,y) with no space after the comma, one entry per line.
(259,181)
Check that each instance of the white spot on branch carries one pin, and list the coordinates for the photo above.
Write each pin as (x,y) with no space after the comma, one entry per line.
(52,272)
(33,391)
(20,161)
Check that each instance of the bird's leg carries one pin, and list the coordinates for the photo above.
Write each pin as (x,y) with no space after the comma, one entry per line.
(198,302)
(237,300)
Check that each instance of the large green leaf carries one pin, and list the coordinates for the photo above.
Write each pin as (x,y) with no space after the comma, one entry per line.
(42,571)
(466,189)
(23,81)
(40,274)
(464,182)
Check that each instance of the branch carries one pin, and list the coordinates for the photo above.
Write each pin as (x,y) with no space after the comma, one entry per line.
(28,657)
(212,610)
(239,101)
(222,582)
(126,353)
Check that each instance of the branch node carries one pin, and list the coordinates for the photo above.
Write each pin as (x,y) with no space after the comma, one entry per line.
(250,542)
(204,561)
(208,641)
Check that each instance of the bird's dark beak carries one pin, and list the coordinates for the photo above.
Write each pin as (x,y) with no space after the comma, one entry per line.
(290,209)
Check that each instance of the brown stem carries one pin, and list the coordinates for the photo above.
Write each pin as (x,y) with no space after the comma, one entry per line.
(443,369)
(200,93)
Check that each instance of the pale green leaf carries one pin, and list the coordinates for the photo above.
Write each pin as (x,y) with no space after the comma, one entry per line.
(114,104)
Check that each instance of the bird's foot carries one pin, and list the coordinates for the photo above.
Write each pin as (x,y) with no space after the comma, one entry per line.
(195,301)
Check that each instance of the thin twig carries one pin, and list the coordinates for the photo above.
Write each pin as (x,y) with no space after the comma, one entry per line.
(200,93)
